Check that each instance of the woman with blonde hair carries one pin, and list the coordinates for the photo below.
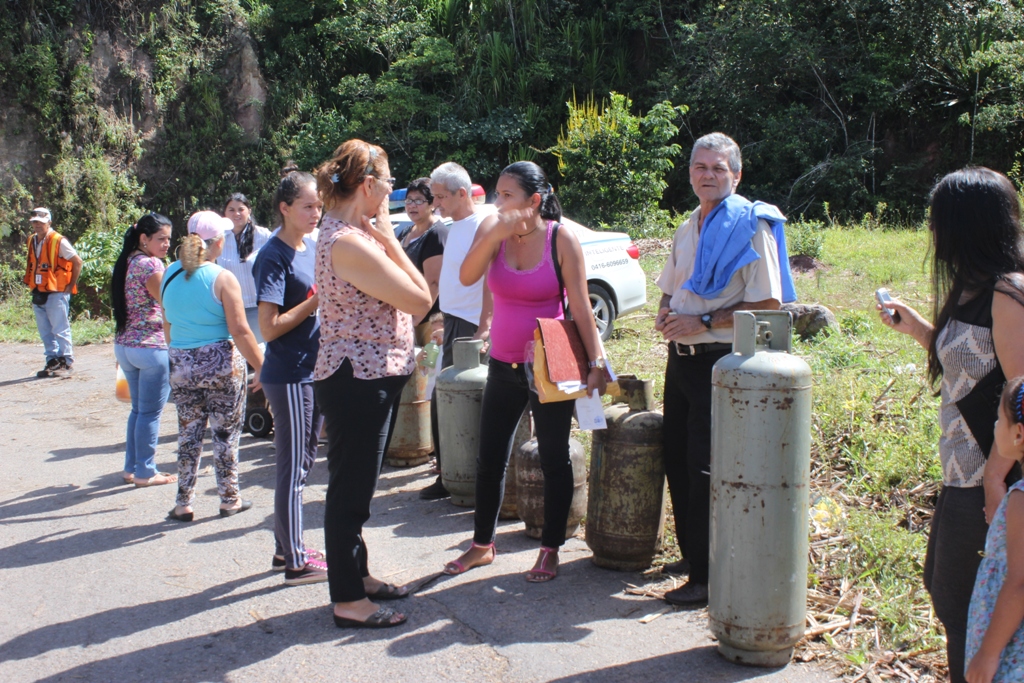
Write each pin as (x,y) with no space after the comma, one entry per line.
(369,292)
(209,341)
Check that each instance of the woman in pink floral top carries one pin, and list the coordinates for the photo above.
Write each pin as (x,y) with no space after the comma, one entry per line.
(139,346)
(369,290)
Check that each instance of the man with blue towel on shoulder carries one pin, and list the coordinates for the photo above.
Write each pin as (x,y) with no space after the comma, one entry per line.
(729,256)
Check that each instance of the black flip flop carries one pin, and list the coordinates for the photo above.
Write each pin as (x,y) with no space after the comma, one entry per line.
(246,504)
(388,592)
(379,619)
(183,517)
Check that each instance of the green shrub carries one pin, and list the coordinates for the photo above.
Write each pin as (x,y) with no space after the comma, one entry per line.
(99,250)
(613,163)
(805,238)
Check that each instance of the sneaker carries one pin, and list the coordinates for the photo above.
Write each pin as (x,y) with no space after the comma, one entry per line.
(277,563)
(690,593)
(315,571)
(67,365)
(680,567)
(52,366)
(435,491)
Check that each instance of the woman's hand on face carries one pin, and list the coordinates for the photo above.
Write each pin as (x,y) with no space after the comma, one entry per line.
(596,379)
(508,220)
(381,229)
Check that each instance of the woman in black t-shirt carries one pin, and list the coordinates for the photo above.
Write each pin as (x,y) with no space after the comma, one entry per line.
(423,244)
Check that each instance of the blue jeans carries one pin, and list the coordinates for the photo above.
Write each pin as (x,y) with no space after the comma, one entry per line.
(147,372)
(54,326)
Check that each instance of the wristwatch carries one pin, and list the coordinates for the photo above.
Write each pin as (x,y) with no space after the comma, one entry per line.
(706,319)
(597,363)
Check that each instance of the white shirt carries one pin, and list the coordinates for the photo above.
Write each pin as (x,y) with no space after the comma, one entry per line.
(454,297)
(243,270)
(755,281)
(65,250)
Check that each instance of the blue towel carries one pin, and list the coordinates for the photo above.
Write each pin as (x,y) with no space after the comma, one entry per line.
(724,246)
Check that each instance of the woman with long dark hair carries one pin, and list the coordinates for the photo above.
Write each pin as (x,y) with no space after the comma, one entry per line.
(139,346)
(517,252)
(369,292)
(285,273)
(973,346)
(241,244)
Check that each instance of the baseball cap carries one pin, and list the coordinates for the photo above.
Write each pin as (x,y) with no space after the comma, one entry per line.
(40,215)
(478,191)
(209,225)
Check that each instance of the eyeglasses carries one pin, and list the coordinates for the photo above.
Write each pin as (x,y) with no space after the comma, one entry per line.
(416,202)
(389,181)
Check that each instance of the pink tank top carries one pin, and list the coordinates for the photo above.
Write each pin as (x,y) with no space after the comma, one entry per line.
(520,297)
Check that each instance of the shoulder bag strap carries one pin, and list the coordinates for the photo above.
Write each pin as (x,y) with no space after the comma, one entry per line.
(558,270)
(174,275)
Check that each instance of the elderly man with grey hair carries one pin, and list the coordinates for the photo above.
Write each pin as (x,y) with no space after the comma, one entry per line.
(728,256)
(467,310)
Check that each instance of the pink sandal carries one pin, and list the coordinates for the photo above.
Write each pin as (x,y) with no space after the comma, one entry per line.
(456,567)
(540,573)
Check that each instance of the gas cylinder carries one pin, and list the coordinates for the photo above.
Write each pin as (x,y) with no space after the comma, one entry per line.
(411,442)
(760,469)
(459,395)
(626,504)
(524,432)
(530,488)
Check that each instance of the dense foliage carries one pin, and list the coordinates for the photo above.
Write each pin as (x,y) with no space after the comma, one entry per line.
(857,103)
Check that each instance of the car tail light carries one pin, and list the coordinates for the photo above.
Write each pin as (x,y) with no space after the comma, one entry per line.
(633,250)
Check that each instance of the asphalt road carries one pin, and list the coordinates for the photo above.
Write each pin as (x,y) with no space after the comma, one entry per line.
(95,584)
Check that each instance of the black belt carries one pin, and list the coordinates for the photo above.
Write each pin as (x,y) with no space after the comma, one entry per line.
(682,349)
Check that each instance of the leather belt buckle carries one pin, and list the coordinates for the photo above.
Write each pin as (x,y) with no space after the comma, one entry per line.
(685,349)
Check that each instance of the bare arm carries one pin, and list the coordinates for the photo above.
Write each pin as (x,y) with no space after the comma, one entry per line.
(1009,610)
(570,257)
(274,324)
(685,325)
(76,270)
(1007,328)
(390,277)
(153,284)
(489,236)
(911,322)
(229,292)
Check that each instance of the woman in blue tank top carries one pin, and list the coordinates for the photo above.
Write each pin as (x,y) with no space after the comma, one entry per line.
(209,341)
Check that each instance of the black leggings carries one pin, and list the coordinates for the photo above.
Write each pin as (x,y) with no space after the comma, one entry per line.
(955,544)
(505,398)
(358,416)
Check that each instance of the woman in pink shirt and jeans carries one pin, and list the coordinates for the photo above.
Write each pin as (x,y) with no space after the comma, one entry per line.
(515,253)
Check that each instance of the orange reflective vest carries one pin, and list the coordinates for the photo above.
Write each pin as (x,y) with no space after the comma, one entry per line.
(50,272)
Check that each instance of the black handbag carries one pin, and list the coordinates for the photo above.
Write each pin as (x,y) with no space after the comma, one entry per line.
(39,298)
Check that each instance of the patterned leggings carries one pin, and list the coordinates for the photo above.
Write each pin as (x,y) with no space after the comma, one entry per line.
(208,383)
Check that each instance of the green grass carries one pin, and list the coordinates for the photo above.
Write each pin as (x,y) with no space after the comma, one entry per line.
(18,324)
(875,424)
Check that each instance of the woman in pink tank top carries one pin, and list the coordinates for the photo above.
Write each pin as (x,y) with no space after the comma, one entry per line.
(515,253)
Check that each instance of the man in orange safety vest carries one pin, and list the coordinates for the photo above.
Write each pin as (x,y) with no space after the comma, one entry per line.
(51,272)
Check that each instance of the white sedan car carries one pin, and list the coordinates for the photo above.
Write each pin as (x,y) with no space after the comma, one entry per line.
(616,282)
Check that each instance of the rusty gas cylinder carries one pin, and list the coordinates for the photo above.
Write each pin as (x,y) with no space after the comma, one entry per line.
(530,488)
(626,504)
(411,442)
(760,471)
(524,432)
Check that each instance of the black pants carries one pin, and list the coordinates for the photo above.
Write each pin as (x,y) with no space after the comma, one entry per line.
(687,452)
(955,543)
(454,328)
(358,414)
(505,398)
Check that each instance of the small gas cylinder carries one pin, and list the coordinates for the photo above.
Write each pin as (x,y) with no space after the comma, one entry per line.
(524,432)
(626,504)
(411,443)
(530,488)
(760,470)
(459,395)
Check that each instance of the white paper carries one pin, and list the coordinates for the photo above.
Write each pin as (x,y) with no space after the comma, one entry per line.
(590,412)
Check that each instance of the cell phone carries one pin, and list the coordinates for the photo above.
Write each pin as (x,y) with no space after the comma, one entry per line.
(885,300)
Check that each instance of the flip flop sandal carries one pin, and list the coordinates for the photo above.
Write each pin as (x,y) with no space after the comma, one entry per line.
(158,479)
(386,591)
(543,574)
(459,568)
(379,619)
